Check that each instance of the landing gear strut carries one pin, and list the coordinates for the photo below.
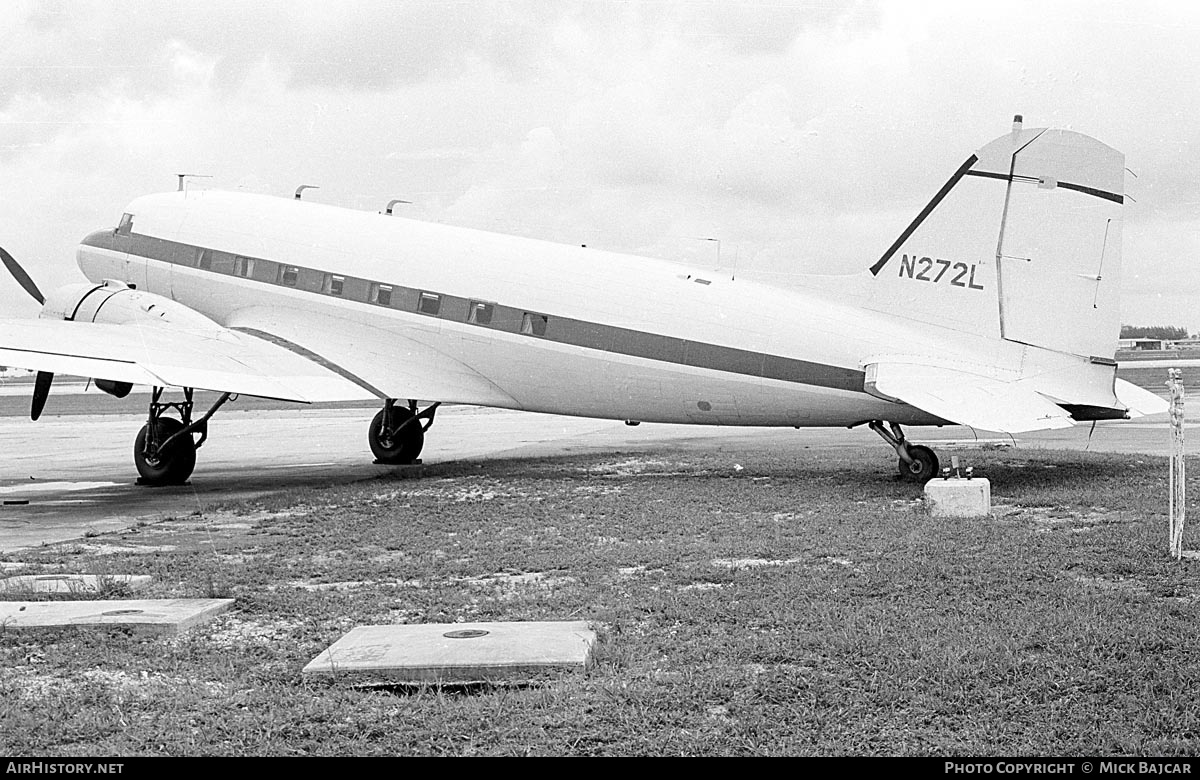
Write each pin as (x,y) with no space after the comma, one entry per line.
(917,463)
(397,434)
(164,451)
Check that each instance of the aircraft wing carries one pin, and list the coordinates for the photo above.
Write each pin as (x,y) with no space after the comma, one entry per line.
(164,355)
(988,403)
(391,359)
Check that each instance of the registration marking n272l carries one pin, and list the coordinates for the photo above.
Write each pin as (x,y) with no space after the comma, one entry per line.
(929,269)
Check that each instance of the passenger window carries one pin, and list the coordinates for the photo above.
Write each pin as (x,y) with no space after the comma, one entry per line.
(381,294)
(243,266)
(288,274)
(204,259)
(480,313)
(429,303)
(333,284)
(534,324)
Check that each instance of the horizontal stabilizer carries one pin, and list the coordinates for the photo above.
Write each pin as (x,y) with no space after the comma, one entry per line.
(1139,401)
(967,399)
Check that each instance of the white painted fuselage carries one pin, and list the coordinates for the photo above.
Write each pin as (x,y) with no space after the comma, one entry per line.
(621,337)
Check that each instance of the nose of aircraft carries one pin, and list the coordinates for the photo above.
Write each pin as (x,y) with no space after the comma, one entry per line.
(92,259)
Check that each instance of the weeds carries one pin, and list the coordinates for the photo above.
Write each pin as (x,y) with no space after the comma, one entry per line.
(793,607)
(110,587)
(213,587)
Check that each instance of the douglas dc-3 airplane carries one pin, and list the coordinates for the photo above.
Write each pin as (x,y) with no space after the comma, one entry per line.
(997,308)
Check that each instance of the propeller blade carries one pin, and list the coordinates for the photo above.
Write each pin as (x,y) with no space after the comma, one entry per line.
(41,391)
(22,278)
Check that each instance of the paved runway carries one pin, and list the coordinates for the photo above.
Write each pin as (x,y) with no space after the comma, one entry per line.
(76,473)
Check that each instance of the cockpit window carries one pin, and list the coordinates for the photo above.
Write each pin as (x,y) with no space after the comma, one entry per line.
(126,226)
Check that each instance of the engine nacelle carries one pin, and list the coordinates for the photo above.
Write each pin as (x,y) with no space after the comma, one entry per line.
(116,303)
(117,389)
(62,303)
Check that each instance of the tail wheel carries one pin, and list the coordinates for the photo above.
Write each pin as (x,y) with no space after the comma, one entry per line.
(171,465)
(403,443)
(924,465)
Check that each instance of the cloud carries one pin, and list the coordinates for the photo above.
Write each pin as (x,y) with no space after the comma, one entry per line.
(802,135)
(67,49)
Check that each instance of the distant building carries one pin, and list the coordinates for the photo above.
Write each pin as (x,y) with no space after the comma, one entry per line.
(1138,345)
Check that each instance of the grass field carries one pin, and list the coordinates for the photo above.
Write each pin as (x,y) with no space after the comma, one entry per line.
(782,606)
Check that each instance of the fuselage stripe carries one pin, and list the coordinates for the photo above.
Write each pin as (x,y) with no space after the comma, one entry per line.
(925,212)
(1066,185)
(558,329)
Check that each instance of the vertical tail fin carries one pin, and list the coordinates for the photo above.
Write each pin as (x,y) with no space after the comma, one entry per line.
(1023,242)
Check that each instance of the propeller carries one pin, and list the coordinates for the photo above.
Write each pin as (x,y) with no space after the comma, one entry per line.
(22,278)
(41,386)
(41,391)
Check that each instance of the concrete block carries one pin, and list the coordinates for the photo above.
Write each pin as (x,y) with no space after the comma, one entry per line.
(69,584)
(156,616)
(455,653)
(959,497)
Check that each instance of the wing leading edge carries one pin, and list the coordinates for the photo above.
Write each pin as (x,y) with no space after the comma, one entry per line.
(221,360)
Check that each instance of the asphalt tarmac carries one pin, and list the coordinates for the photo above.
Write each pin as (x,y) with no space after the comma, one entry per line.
(71,473)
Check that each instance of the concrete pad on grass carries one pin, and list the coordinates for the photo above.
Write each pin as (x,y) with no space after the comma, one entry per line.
(155,616)
(959,497)
(456,653)
(72,583)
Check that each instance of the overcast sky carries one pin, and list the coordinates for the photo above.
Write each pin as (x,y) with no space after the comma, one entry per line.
(803,135)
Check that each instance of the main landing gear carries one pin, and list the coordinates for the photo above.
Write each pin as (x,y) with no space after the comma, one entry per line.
(917,462)
(164,451)
(397,434)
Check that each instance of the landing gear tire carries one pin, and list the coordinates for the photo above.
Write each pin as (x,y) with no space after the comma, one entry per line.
(400,446)
(924,465)
(172,465)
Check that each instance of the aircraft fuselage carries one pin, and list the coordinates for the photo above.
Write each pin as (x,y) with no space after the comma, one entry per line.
(526,324)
